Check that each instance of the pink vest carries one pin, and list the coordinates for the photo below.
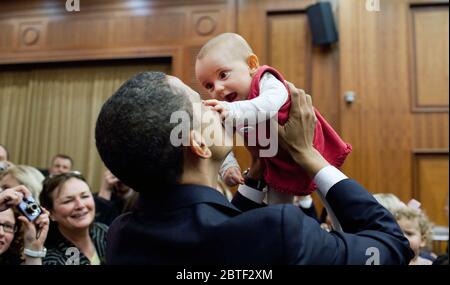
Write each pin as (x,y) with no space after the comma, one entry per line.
(281,172)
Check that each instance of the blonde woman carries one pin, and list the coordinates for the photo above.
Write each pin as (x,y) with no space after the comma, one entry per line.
(25,175)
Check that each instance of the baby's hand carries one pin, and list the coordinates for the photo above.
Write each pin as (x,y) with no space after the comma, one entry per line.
(233,176)
(218,106)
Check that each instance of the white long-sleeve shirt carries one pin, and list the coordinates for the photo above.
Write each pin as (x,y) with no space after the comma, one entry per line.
(273,95)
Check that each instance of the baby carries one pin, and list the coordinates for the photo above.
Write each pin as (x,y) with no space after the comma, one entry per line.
(417,229)
(229,70)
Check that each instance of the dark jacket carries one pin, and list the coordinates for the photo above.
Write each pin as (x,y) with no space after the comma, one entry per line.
(194,224)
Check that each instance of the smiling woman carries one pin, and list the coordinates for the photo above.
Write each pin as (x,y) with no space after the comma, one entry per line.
(74,238)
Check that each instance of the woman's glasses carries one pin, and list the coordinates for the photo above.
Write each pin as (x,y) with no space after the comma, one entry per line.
(9,228)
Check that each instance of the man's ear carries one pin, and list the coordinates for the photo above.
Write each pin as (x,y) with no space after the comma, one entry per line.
(197,145)
(253,62)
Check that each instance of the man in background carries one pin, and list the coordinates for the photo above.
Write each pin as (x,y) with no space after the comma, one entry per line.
(61,163)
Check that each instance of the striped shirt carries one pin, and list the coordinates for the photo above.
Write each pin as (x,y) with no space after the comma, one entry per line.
(63,252)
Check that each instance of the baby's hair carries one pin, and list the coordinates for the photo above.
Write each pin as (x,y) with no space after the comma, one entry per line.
(229,42)
(425,225)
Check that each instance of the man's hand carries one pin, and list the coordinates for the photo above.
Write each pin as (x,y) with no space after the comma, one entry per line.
(233,176)
(297,135)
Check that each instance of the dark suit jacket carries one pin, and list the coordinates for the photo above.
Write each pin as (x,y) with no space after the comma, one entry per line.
(195,224)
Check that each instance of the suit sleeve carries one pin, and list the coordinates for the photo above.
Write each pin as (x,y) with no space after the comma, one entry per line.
(243,203)
(371,234)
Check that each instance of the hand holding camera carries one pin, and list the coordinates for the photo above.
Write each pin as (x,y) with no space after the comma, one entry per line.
(13,196)
(35,232)
(29,208)
(35,220)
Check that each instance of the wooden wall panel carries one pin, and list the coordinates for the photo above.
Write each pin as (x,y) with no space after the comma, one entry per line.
(31,35)
(289,47)
(37,31)
(430,131)
(367,61)
(6,35)
(431,172)
(430,57)
(252,15)
(378,52)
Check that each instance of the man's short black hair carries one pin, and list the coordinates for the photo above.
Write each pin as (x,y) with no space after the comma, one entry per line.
(133,132)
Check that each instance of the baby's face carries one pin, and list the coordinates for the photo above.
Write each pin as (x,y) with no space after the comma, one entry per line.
(411,231)
(224,77)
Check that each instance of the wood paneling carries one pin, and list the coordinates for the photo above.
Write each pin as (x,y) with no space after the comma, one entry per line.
(429,57)
(431,172)
(34,31)
(289,47)
(430,131)
(6,35)
(31,35)
(378,52)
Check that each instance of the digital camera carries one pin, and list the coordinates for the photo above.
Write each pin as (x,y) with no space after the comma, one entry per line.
(30,208)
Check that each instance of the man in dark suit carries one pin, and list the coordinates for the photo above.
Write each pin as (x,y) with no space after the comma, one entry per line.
(180,218)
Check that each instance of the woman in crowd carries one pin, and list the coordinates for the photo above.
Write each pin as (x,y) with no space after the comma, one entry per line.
(25,175)
(74,238)
(21,241)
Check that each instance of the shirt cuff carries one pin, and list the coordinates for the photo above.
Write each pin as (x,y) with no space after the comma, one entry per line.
(251,194)
(306,202)
(327,177)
